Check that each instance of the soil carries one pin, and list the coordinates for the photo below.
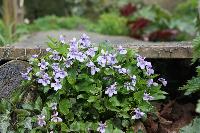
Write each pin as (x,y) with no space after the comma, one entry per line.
(169,118)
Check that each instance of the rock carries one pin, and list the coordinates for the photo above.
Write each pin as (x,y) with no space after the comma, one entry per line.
(10,76)
(35,43)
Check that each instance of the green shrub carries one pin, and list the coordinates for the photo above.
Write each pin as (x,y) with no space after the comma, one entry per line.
(111,24)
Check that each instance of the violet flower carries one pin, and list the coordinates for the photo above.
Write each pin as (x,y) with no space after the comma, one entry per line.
(133,80)
(129,86)
(91,51)
(57,85)
(41,120)
(102,127)
(138,114)
(55,118)
(60,74)
(103,58)
(111,59)
(123,70)
(147,97)
(163,81)
(94,69)
(84,41)
(54,106)
(111,90)
(68,62)
(34,56)
(141,62)
(122,50)
(48,49)
(45,80)
(151,82)
(26,76)
(62,39)
(55,56)
(43,64)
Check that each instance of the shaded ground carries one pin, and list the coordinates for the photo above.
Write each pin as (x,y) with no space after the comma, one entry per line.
(171,117)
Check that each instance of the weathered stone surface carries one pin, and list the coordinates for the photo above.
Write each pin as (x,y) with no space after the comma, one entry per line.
(36,43)
(10,76)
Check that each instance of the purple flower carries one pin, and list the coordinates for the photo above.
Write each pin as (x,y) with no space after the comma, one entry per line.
(149,71)
(90,64)
(43,64)
(129,86)
(62,39)
(122,50)
(25,76)
(138,114)
(91,51)
(151,82)
(48,49)
(60,74)
(29,69)
(133,80)
(141,62)
(123,70)
(111,59)
(41,120)
(103,58)
(94,69)
(147,97)
(34,56)
(111,90)
(73,43)
(84,41)
(55,55)
(81,56)
(101,127)
(163,81)
(55,66)
(55,118)
(45,80)
(57,85)
(54,106)
(68,63)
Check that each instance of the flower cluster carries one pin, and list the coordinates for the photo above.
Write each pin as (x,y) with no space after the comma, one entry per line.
(80,74)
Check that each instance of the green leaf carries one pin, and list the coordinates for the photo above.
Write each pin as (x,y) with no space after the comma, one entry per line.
(64,106)
(45,111)
(17,96)
(64,127)
(116,130)
(193,127)
(4,122)
(198,107)
(27,106)
(38,103)
(27,123)
(92,99)
(114,101)
(72,76)
(22,112)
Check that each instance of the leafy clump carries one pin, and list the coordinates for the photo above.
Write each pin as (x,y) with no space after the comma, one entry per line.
(76,87)
(193,127)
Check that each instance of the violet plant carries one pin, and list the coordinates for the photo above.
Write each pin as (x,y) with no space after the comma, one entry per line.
(82,88)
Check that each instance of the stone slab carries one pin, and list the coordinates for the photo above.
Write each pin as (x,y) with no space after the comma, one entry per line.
(10,76)
(36,43)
